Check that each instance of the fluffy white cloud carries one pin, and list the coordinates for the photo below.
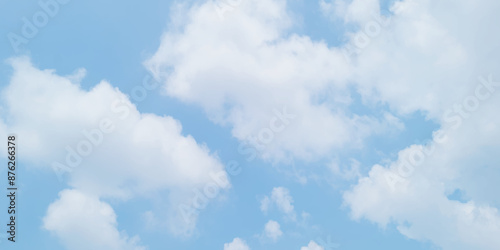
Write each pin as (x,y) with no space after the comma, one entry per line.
(417,59)
(281,198)
(424,56)
(413,191)
(312,246)
(236,244)
(272,230)
(101,143)
(245,67)
(145,151)
(83,222)
(429,60)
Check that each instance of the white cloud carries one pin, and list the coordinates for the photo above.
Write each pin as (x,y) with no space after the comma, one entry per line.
(419,60)
(236,244)
(281,198)
(265,203)
(272,230)
(225,66)
(312,246)
(83,222)
(429,60)
(419,204)
(144,153)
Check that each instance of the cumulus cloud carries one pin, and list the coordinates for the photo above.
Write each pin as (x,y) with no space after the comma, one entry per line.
(101,144)
(423,62)
(424,56)
(416,59)
(312,246)
(82,221)
(224,66)
(236,244)
(281,198)
(272,230)
(68,134)
(413,191)
(419,57)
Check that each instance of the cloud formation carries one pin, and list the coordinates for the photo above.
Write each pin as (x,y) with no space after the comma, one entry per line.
(236,244)
(83,222)
(281,198)
(243,68)
(428,60)
(312,246)
(99,143)
(272,230)
(417,57)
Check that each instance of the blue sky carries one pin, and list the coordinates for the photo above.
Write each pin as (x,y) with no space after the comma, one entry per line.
(222,79)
